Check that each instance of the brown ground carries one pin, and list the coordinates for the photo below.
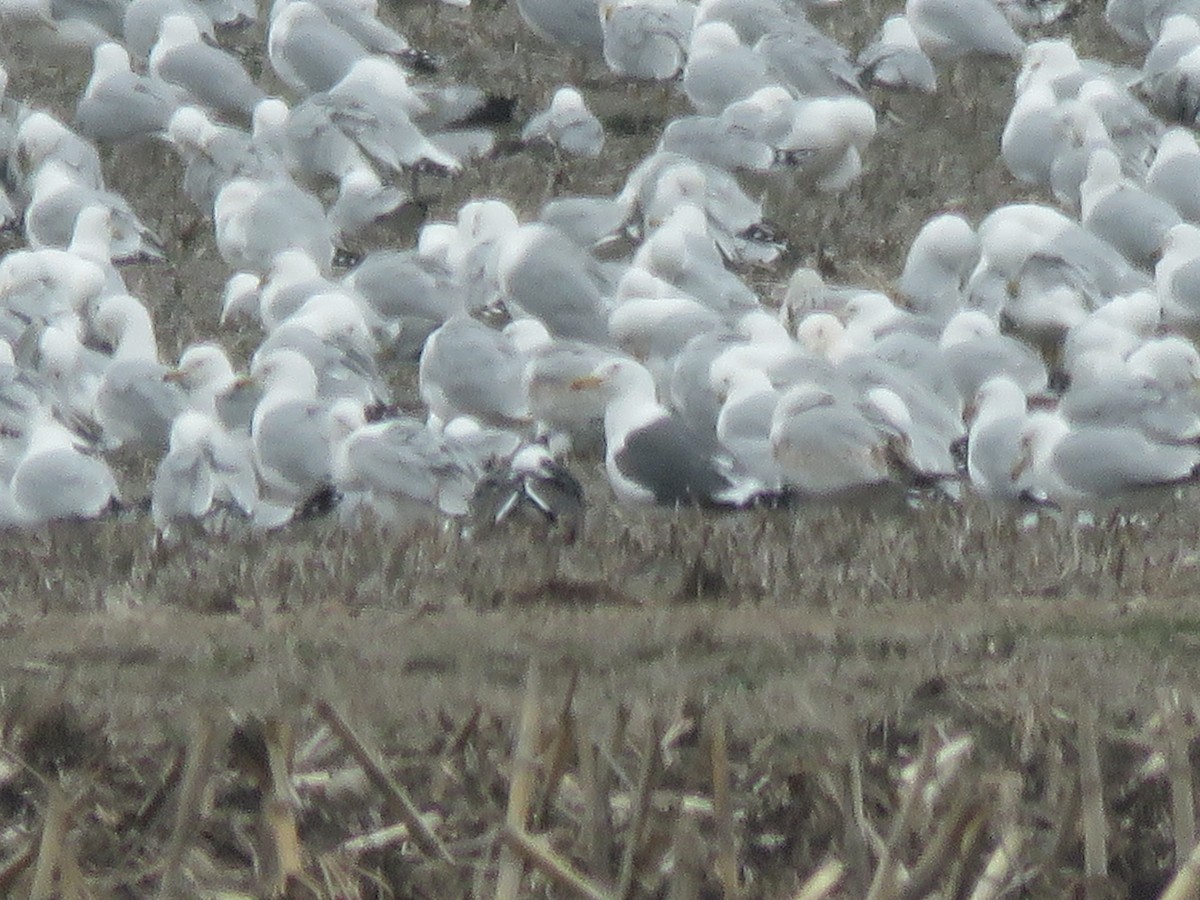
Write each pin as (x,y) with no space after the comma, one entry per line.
(149,699)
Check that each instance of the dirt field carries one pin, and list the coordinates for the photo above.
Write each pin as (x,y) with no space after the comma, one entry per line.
(746,690)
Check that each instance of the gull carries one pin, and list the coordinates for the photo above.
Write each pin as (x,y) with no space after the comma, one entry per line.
(650,455)
(362,199)
(213,77)
(257,220)
(824,445)
(752,19)
(214,155)
(307,50)
(1170,75)
(406,472)
(468,368)
(55,479)
(1177,276)
(571,24)
(567,125)
(544,273)
(1175,171)
(748,401)
(646,39)
(143,18)
(135,404)
(976,351)
(683,252)
(117,105)
(940,261)
(827,140)
(41,138)
(361,21)
(720,69)
(895,59)
(1122,213)
(994,442)
(290,428)
(203,470)
(951,29)
(370,107)
(55,201)
(1097,465)
(808,62)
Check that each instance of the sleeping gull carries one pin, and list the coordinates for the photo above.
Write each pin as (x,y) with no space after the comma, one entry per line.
(56,480)
(468,368)
(41,138)
(1177,276)
(975,351)
(1176,171)
(895,59)
(1086,466)
(203,470)
(213,77)
(117,104)
(994,442)
(542,272)
(721,69)
(808,62)
(825,445)
(1151,390)
(567,125)
(55,201)
(940,261)
(135,405)
(1122,213)
(257,220)
(646,39)
(404,472)
(572,24)
(1170,75)
(951,29)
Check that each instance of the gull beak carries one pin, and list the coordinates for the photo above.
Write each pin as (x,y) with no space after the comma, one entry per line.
(587,383)
(174,376)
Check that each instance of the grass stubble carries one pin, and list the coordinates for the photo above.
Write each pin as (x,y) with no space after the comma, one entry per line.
(810,702)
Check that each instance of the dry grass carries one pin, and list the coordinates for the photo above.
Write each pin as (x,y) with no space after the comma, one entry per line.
(805,702)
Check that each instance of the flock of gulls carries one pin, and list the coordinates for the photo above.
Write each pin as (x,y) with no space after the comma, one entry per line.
(1044,354)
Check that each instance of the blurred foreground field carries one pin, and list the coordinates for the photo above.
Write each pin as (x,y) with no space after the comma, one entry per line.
(942,701)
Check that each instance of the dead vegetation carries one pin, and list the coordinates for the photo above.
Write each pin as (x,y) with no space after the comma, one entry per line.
(931,700)
(645,800)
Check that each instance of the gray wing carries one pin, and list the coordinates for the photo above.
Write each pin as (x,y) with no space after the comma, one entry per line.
(668,459)
(313,54)
(213,77)
(124,107)
(1106,461)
